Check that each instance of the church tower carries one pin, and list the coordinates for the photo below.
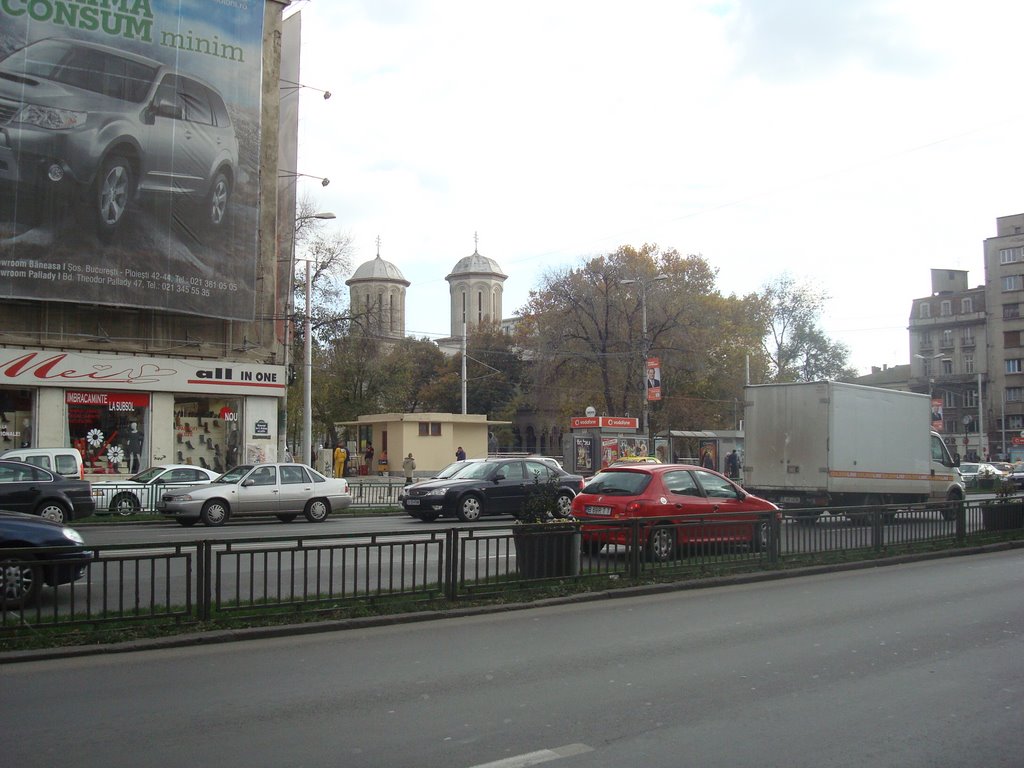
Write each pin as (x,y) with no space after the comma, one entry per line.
(476,285)
(377,298)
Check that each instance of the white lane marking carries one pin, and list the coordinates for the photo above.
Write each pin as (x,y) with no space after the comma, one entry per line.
(540,756)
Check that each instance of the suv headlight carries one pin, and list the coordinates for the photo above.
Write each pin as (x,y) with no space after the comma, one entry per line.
(49,117)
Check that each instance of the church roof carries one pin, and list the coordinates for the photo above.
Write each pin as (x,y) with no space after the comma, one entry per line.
(477,265)
(377,270)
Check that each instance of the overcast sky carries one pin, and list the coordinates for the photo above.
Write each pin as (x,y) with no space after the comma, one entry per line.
(856,144)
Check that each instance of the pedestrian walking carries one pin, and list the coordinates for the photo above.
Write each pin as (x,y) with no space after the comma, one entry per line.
(408,466)
(732,464)
(368,458)
(460,455)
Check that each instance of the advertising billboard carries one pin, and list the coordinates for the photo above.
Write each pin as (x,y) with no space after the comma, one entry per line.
(129,152)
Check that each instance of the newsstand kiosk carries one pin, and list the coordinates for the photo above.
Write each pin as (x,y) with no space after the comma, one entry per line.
(594,442)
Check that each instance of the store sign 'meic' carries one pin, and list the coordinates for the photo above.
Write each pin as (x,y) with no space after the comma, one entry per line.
(34,368)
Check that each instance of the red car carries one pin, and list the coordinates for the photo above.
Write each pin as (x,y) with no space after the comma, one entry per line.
(680,504)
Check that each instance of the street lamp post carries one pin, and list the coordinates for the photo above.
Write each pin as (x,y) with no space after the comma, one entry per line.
(307,342)
(645,350)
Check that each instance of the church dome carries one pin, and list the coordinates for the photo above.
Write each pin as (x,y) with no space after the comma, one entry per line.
(378,270)
(477,265)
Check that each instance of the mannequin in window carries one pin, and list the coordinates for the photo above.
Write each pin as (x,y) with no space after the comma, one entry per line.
(134,446)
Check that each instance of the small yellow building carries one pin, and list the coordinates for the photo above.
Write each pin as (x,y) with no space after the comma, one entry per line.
(432,438)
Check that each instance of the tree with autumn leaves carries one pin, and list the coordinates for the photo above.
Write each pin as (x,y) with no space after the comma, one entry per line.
(579,342)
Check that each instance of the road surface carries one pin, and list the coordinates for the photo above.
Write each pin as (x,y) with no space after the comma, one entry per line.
(911,665)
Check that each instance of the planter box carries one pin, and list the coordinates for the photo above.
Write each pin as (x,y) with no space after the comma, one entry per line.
(547,551)
(1003,515)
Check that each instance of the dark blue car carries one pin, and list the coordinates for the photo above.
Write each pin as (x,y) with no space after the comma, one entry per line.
(35,551)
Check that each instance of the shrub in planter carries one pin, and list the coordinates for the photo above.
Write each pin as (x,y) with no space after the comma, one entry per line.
(547,540)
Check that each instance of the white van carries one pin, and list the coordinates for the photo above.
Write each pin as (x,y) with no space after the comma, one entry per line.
(63,461)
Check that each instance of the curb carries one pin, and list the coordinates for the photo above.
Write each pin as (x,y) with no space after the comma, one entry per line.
(215,637)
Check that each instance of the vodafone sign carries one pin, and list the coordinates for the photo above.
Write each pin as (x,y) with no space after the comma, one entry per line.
(604,422)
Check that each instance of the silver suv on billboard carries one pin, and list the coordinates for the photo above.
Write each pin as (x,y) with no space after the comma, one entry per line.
(113,125)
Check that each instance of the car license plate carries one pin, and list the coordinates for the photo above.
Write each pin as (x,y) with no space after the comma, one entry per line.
(598,511)
(412,502)
(789,499)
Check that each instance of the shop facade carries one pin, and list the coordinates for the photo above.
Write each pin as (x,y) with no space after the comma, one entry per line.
(125,413)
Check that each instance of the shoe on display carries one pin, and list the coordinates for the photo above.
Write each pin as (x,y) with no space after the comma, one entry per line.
(181,459)
(188,444)
(203,464)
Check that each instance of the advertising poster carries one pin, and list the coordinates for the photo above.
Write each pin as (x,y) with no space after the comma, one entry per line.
(609,450)
(584,455)
(633,446)
(708,453)
(129,149)
(937,414)
(653,379)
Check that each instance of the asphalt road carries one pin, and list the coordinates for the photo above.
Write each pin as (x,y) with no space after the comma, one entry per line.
(911,665)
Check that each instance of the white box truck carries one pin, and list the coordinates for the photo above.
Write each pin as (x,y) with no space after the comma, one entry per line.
(828,444)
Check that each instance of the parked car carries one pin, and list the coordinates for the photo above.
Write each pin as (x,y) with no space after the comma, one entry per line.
(36,491)
(111,124)
(660,494)
(488,487)
(973,471)
(63,461)
(282,490)
(23,573)
(139,492)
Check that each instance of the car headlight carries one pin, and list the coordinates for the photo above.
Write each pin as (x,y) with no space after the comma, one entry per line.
(72,535)
(50,117)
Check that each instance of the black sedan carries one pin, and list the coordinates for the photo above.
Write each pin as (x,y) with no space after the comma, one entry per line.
(33,552)
(37,491)
(489,487)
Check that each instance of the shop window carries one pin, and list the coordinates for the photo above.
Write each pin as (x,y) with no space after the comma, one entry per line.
(16,407)
(207,432)
(109,429)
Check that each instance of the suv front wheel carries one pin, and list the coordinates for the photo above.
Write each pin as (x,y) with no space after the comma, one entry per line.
(114,188)
(216,207)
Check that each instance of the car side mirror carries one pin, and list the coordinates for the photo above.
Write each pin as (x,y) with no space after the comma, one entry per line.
(248,483)
(164,108)
(499,476)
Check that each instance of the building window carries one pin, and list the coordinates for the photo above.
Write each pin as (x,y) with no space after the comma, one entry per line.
(949,399)
(1010,255)
(1013,283)
(971,398)
(966,306)
(1011,311)
(924,311)
(926,340)
(947,338)
(430,429)
(968,363)
(1013,366)
(206,434)
(947,367)
(1015,421)
(1014,394)
(946,308)
(967,337)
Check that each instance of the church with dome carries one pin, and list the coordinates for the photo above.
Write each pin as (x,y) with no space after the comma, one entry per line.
(377,297)
(377,292)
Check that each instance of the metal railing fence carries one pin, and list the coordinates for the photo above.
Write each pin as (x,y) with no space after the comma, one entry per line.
(203,580)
